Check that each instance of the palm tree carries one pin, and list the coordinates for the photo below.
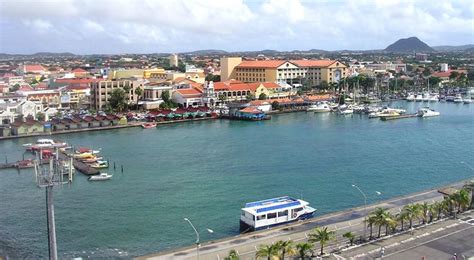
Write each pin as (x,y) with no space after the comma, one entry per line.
(424,211)
(391,223)
(350,236)
(371,220)
(304,249)
(402,217)
(139,93)
(463,199)
(379,217)
(469,186)
(412,211)
(232,255)
(285,247)
(268,251)
(321,235)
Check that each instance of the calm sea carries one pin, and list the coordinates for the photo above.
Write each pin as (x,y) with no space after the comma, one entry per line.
(206,171)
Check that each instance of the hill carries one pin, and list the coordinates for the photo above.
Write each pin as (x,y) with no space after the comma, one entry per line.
(450,48)
(412,44)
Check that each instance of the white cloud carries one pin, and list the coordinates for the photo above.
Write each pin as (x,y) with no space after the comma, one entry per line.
(176,25)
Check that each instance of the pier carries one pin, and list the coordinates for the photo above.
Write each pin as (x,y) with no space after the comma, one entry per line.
(386,118)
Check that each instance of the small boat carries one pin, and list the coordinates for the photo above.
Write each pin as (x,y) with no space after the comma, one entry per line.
(411,97)
(419,98)
(458,99)
(467,100)
(87,150)
(101,177)
(148,125)
(426,97)
(100,165)
(272,212)
(388,112)
(320,108)
(44,144)
(345,112)
(427,112)
(83,156)
(434,98)
(91,160)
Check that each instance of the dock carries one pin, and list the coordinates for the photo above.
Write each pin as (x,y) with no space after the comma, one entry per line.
(80,166)
(398,117)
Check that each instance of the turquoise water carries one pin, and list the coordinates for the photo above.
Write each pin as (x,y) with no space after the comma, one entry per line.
(207,170)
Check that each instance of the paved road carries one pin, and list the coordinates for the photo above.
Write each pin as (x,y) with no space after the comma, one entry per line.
(439,240)
(349,220)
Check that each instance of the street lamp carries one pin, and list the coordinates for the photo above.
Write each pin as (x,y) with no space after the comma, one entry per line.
(197,235)
(365,215)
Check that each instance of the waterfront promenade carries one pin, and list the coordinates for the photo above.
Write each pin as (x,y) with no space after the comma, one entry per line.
(340,222)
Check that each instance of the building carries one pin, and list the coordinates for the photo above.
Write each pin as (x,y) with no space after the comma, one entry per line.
(80,73)
(10,111)
(227,67)
(32,68)
(101,90)
(444,67)
(152,92)
(312,72)
(421,56)
(173,60)
(47,98)
(154,73)
(125,74)
(187,97)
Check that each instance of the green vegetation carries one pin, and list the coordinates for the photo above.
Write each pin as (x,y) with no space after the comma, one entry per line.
(40,116)
(350,236)
(117,100)
(304,249)
(262,96)
(214,78)
(167,102)
(323,236)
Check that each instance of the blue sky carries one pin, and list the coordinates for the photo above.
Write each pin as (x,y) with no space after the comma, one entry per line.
(147,26)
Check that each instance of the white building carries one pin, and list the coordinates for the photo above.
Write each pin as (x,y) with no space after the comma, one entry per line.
(444,67)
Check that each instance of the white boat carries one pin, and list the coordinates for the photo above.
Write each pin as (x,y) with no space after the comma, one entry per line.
(101,177)
(419,98)
(467,100)
(272,212)
(411,97)
(321,107)
(426,97)
(434,98)
(45,144)
(427,112)
(388,112)
(458,99)
(344,112)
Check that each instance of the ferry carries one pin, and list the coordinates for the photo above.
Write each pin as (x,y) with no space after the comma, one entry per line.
(44,144)
(264,214)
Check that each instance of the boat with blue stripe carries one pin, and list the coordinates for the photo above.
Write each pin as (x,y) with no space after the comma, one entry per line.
(267,213)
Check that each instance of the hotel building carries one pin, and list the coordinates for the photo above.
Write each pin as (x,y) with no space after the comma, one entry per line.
(312,72)
(101,90)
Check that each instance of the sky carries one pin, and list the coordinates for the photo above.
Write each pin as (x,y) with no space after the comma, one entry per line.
(165,26)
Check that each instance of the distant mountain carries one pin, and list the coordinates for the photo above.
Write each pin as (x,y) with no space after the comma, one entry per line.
(207,52)
(37,55)
(450,48)
(412,44)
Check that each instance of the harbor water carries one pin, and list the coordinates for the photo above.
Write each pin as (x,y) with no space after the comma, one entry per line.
(206,171)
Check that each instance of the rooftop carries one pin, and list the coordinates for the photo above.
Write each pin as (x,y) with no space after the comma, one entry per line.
(271,204)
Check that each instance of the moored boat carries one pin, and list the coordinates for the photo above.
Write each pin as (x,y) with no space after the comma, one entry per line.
(458,99)
(320,108)
(411,97)
(100,165)
(427,112)
(148,125)
(272,212)
(101,177)
(419,98)
(467,100)
(45,144)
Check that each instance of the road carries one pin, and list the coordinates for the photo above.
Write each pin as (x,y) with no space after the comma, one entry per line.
(341,222)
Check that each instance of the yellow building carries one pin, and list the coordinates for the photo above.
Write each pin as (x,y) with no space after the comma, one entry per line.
(101,90)
(297,71)
(125,74)
(155,72)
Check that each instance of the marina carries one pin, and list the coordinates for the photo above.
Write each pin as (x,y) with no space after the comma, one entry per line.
(163,180)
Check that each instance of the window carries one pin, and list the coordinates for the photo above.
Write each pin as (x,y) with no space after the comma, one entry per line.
(283,213)
(261,217)
(298,209)
(271,215)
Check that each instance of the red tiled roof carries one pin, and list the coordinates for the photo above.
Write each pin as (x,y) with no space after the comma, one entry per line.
(259,102)
(251,110)
(77,81)
(224,85)
(25,88)
(313,63)
(33,68)
(79,70)
(261,64)
(189,92)
(446,74)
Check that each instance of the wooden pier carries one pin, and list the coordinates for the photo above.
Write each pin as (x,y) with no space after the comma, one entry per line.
(386,118)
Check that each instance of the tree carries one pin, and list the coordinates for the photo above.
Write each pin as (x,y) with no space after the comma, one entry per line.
(350,236)
(34,81)
(15,87)
(268,251)
(324,85)
(424,212)
(117,99)
(370,221)
(232,255)
(275,105)
(434,81)
(262,96)
(453,75)
(412,211)
(165,95)
(249,97)
(40,116)
(212,77)
(42,78)
(285,247)
(469,186)
(304,249)
(321,235)
(379,216)
(402,217)
(139,93)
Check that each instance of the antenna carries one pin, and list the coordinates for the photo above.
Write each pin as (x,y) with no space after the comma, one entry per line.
(49,173)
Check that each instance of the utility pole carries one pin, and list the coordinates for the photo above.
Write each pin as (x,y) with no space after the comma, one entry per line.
(47,176)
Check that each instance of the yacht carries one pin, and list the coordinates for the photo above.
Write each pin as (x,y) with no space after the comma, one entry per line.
(467,100)
(426,97)
(388,112)
(345,111)
(419,98)
(411,97)
(434,98)
(458,99)
(100,165)
(44,144)
(320,108)
(427,112)
(101,177)
(264,214)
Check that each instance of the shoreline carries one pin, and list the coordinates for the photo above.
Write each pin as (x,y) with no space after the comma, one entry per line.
(290,226)
(103,128)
